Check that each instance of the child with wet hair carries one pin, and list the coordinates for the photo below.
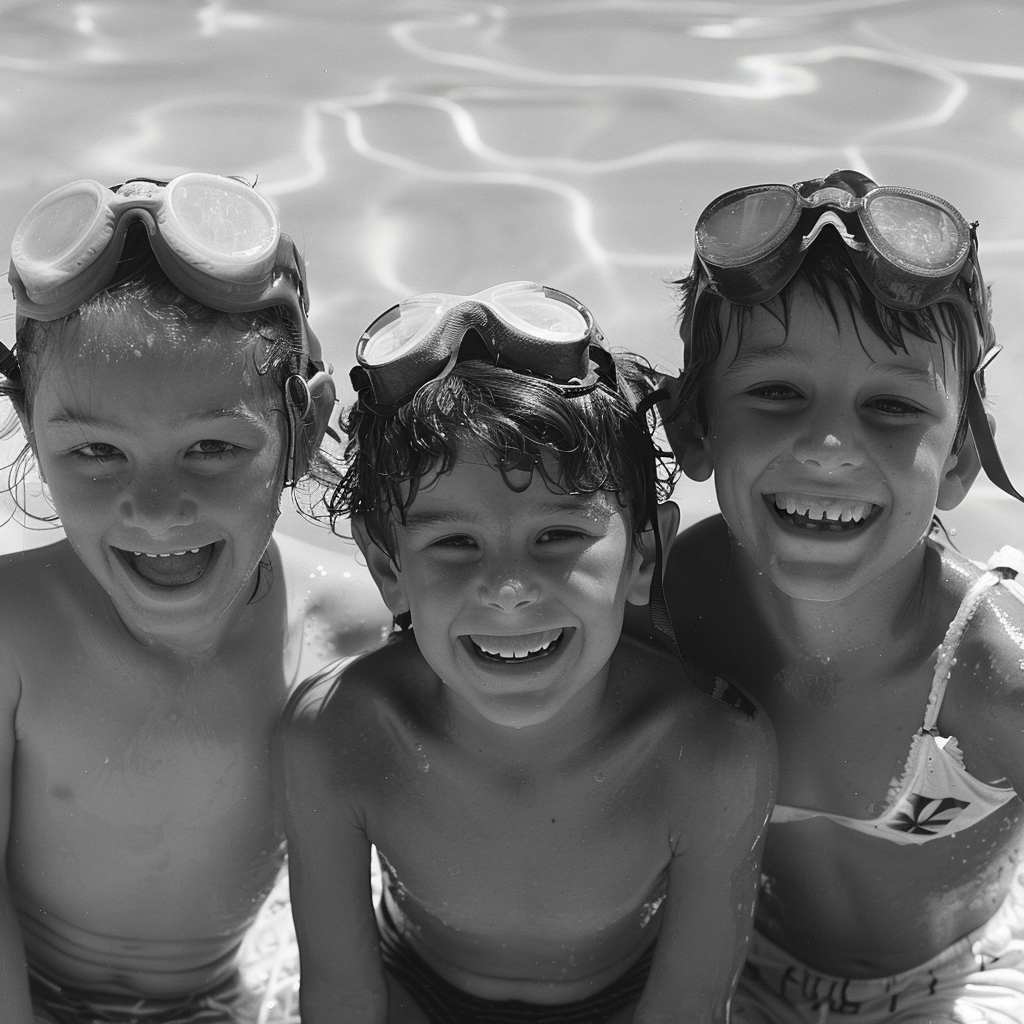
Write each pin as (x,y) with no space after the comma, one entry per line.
(169,386)
(834,335)
(568,828)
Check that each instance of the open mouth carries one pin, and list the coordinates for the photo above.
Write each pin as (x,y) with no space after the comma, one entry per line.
(822,515)
(170,568)
(515,650)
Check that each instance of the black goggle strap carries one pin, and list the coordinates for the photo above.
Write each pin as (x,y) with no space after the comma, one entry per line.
(982,431)
(977,418)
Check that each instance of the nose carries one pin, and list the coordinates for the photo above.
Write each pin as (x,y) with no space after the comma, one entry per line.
(510,593)
(157,500)
(828,442)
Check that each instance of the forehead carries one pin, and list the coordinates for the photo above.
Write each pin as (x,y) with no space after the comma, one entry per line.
(475,488)
(150,348)
(814,328)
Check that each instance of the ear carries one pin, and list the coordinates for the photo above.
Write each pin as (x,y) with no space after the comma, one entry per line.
(310,405)
(961,468)
(639,592)
(385,573)
(686,435)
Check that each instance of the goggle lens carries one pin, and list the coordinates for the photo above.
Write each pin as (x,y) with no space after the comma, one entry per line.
(544,316)
(922,235)
(51,239)
(745,227)
(231,224)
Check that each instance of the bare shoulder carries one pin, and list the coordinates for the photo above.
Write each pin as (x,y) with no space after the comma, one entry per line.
(40,585)
(347,715)
(331,593)
(983,704)
(992,641)
(720,743)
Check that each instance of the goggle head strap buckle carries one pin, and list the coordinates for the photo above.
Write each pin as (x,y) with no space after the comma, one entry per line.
(308,408)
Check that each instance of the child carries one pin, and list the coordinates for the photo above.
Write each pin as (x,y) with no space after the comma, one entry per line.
(834,334)
(169,385)
(568,830)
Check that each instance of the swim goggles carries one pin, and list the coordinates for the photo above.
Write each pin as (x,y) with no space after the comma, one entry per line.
(216,238)
(910,248)
(527,327)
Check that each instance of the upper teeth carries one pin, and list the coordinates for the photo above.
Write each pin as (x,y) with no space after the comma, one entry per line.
(832,509)
(166,554)
(516,646)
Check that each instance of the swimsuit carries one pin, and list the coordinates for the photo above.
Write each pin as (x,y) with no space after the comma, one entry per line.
(227,1003)
(936,795)
(444,1003)
(978,980)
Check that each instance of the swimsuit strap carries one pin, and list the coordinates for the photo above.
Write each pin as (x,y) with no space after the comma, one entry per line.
(951,642)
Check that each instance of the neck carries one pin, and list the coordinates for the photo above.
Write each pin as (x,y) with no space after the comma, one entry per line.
(888,614)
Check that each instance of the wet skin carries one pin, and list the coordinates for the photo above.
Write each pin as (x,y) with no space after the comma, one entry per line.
(139,693)
(548,798)
(833,625)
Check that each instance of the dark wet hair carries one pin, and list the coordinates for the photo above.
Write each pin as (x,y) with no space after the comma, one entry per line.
(830,273)
(578,444)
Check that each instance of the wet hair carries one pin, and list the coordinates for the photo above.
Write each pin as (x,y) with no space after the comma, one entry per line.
(139,281)
(832,277)
(578,444)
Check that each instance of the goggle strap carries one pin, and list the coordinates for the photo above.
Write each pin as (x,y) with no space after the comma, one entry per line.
(9,363)
(985,442)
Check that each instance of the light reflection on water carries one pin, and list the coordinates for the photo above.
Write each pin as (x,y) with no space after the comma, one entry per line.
(432,145)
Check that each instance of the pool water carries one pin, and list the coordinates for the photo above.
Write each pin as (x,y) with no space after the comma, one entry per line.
(414,145)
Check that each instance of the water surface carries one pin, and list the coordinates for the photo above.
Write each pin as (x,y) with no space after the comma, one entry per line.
(430,145)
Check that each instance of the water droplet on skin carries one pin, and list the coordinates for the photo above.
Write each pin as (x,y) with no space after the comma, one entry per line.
(454,869)
(599,777)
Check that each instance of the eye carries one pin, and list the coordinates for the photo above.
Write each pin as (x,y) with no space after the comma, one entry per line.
(561,534)
(775,391)
(210,448)
(97,452)
(455,542)
(890,405)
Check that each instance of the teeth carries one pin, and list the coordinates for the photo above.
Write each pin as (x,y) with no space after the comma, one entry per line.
(512,648)
(833,510)
(166,554)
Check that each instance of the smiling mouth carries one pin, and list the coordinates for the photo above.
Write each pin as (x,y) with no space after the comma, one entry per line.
(822,515)
(515,650)
(170,568)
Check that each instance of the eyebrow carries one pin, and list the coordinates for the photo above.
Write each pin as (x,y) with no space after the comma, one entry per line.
(769,356)
(72,419)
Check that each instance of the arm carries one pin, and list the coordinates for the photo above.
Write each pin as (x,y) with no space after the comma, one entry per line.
(15,1006)
(329,872)
(713,877)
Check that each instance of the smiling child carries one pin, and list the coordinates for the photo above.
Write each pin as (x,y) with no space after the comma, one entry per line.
(169,386)
(834,334)
(568,827)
